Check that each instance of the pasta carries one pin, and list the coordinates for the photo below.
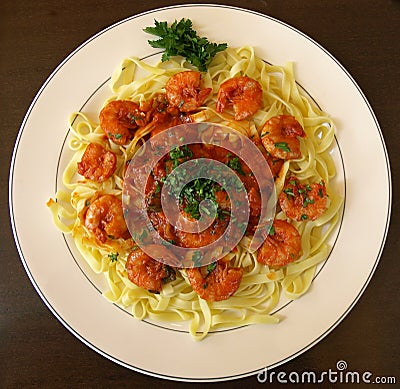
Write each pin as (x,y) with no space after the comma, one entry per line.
(262,286)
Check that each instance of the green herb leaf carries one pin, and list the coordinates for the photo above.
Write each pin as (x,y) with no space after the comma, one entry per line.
(195,192)
(235,165)
(113,257)
(180,39)
(283,146)
(289,192)
(196,258)
(180,152)
(211,267)
(307,201)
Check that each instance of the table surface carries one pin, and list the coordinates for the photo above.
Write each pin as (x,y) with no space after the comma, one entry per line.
(35,348)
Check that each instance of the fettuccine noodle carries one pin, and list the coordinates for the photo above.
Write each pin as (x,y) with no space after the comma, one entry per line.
(261,287)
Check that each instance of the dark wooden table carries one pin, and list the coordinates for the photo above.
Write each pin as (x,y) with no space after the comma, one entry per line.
(35,36)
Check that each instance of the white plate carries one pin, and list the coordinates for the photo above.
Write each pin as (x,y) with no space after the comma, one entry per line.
(72,294)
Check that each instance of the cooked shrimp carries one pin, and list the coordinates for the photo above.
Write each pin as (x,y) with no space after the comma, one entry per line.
(243,93)
(275,164)
(119,117)
(280,137)
(161,224)
(148,273)
(281,246)
(183,91)
(104,217)
(303,202)
(97,163)
(216,281)
(203,238)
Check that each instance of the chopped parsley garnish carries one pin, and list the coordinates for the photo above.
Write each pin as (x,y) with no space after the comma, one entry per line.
(195,192)
(134,118)
(170,274)
(307,201)
(189,194)
(211,267)
(113,257)
(178,153)
(289,192)
(180,39)
(196,258)
(223,213)
(235,165)
(283,146)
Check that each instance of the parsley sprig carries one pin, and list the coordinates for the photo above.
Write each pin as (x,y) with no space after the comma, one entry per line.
(195,192)
(113,257)
(180,39)
(235,165)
